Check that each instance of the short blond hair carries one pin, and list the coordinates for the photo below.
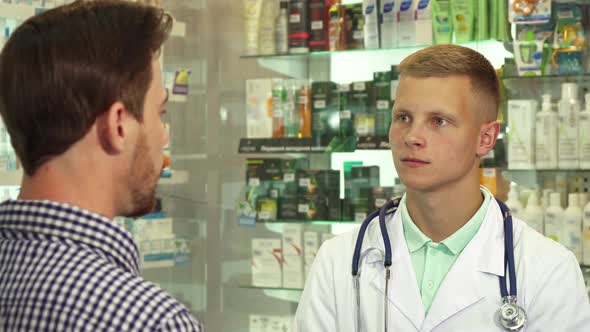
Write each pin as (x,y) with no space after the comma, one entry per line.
(450,60)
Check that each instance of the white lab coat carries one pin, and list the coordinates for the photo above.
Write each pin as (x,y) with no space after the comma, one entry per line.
(550,284)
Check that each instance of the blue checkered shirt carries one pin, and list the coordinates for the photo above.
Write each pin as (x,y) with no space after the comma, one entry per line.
(63,268)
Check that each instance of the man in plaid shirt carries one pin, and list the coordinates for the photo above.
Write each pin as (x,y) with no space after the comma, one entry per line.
(82,97)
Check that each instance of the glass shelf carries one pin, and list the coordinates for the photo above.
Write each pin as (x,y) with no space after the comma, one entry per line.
(547,170)
(311,222)
(271,288)
(572,77)
(473,44)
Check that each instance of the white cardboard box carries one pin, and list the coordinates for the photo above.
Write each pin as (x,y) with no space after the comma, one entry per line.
(259,108)
(266,262)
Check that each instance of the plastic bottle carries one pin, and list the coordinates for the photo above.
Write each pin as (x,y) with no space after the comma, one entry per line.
(586,235)
(371,20)
(545,199)
(389,23)
(569,109)
(278,114)
(266,33)
(546,136)
(282,29)
(513,203)
(336,30)
(298,26)
(554,218)
(290,110)
(584,134)
(533,213)
(572,226)
(304,106)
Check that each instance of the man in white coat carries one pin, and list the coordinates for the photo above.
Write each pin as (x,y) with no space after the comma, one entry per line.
(447,235)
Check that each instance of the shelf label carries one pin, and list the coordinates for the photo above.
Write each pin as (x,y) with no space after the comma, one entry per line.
(294,18)
(264,215)
(379,202)
(253,182)
(303,100)
(289,177)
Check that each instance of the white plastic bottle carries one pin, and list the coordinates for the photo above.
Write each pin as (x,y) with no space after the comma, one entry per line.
(533,213)
(569,109)
(545,199)
(586,235)
(546,140)
(282,29)
(389,9)
(371,23)
(584,134)
(572,226)
(266,32)
(554,218)
(514,204)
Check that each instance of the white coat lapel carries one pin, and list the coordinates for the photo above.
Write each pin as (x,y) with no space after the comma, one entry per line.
(403,285)
(462,287)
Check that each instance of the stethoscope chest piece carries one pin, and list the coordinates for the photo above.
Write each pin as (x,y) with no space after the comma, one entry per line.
(512,316)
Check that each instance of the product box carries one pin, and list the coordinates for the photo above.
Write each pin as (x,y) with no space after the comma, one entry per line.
(311,245)
(266,263)
(362,104)
(423,23)
(521,137)
(293,256)
(258,108)
(354,18)
(379,197)
(383,105)
(320,182)
(312,207)
(288,208)
(266,209)
(334,207)
(406,23)
(363,179)
(324,111)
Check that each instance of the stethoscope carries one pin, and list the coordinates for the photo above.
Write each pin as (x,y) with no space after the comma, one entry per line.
(511,316)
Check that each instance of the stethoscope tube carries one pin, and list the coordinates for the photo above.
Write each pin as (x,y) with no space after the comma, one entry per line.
(511,316)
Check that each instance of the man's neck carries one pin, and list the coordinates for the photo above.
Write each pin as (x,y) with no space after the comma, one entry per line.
(440,214)
(81,190)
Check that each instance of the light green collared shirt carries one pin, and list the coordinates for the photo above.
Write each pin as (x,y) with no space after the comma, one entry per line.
(432,261)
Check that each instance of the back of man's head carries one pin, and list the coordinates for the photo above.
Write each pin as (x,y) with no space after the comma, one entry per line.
(63,68)
(450,60)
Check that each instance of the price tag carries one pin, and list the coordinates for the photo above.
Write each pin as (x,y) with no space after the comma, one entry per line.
(302,99)
(294,18)
(382,104)
(253,182)
(289,177)
(264,215)
(304,182)
(359,86)
(317,25)
(358,35)
(303,208)
(274,193)
(345,114)
(319,104)
(379,202)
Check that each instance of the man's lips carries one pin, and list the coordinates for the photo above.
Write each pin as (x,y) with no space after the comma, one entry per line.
(414,162)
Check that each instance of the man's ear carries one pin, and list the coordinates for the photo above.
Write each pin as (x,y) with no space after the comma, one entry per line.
(488,135)
(114,128)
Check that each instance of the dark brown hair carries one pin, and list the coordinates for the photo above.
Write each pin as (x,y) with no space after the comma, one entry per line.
(449,60)
(63,68)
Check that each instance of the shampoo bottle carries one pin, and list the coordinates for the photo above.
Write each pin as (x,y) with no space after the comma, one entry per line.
(514,204)
(533,213)
(442,21)
(546,136)
(389,9)
(554,218)
(584,135)
(266,33)
(569,108)
(371,23)
(572,226)
(463,16)
(282,29)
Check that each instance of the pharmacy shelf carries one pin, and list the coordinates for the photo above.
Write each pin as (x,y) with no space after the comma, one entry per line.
(579,170)
(294,145)
(17,12)
(11,178)
(309,222)
(286,294)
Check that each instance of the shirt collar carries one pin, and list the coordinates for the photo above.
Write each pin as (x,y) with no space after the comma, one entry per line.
(457,241)
(72,223)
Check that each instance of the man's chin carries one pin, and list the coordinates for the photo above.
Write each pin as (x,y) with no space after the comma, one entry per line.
(143,210)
